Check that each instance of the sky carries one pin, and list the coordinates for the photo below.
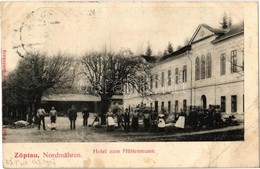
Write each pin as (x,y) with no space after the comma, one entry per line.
(77,28)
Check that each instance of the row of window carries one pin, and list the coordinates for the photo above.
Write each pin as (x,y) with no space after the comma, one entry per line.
(233,103)
(180,76)
(233,61)
(203,68)
(144,83)
(184,106)
(176,106)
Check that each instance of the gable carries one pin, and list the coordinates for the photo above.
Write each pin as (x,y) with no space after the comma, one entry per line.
(201,33)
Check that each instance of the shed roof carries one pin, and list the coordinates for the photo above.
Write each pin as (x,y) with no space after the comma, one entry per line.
(71,97)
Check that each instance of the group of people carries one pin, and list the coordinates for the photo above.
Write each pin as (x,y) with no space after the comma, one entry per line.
(132,116)
(41,118)
(199,117)
(72,115)
(196,117)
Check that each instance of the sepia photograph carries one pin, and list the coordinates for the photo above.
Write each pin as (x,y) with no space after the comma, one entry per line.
(133,72)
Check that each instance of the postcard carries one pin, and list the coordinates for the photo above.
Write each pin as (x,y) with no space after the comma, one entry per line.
(129,84)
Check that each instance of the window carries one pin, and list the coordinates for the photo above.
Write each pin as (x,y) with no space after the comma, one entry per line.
(184,105)
(156,106)
(223,64)
(209,68)
(202,67)
(197,69)
(162,108)
(176,75)
(233,61)
(156,80)
(184,74)
(151,82)
(223,103)
(169,77)
(145,83)
(233,103)
(162,82)
(176,106)
(169,106)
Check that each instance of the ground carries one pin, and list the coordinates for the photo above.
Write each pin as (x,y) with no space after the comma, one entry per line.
(90,134)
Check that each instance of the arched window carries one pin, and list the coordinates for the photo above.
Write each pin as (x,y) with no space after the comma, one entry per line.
(197,69)
(203,67)
(209,66)
(222,64)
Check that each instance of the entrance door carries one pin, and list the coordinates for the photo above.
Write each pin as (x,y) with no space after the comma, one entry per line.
(203,100)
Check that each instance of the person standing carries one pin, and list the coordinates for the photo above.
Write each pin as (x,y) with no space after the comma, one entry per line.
(53,117)
(161,123)
(85,114)
(135,120)
(119,116)
(147,120)
(210,116)
(126,119)
(110,120)
(72,117)
(41,115)
(217,118)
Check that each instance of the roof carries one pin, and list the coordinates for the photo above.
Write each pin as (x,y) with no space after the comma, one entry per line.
(234,30)
(152,59)
(219,33)
(71,97)
(177,52)
(214,30)
(117,97)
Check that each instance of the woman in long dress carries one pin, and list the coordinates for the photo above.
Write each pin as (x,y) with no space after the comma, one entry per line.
(161,122)
(110,120)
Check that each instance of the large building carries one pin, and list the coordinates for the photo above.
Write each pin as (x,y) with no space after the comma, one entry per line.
(209,70)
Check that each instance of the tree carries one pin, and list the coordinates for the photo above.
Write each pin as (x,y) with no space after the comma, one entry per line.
(148,50)
(35,74)
(229,21)
(109,72)
(169,48)
(224,23)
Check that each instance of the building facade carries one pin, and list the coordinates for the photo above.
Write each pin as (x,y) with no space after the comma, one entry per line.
(209,70)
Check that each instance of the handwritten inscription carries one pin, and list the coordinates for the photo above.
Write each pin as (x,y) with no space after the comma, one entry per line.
(47,159)
(14,162)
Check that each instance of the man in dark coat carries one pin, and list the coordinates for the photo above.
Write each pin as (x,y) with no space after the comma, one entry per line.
(210,116)
(85,114)
(72,113)
(126,119)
